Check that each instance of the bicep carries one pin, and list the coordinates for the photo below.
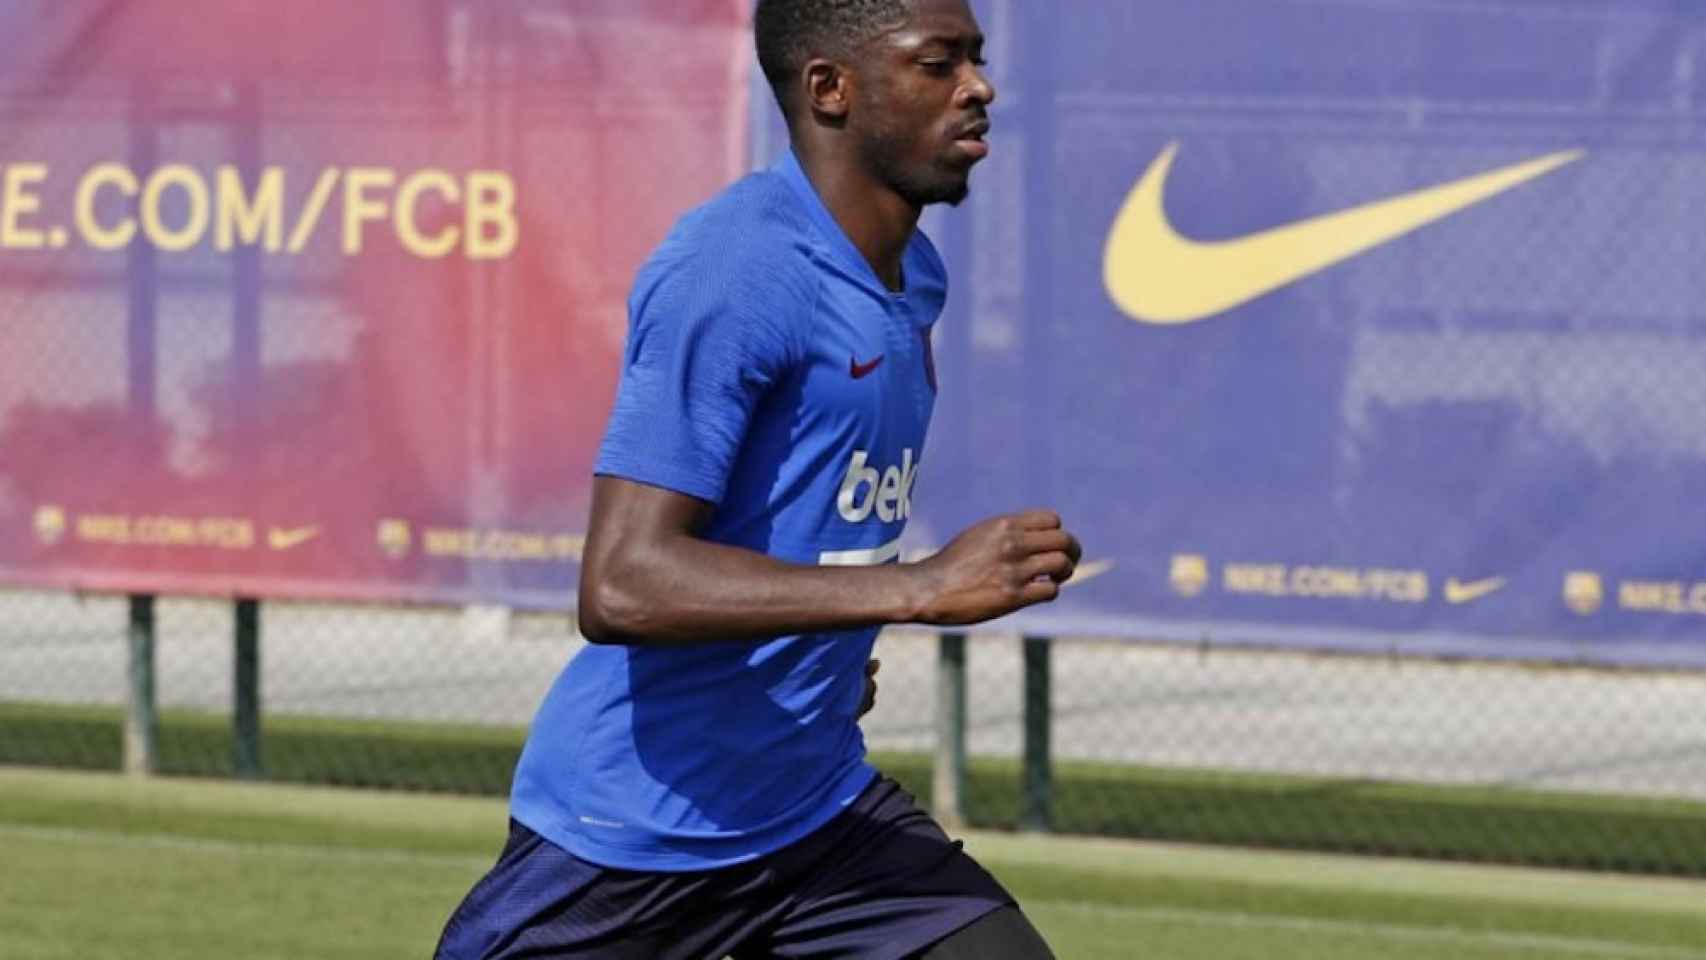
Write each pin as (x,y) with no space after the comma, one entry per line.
(626,565)
(628,515)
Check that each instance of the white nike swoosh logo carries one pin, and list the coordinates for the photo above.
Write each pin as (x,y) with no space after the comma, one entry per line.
(1155,275)
(1086,572)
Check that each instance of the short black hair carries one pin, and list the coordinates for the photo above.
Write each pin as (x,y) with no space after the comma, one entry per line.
(790,32)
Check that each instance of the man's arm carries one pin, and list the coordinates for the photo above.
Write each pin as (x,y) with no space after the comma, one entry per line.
(647,578)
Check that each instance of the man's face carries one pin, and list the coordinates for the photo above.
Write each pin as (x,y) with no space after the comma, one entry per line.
(922,101)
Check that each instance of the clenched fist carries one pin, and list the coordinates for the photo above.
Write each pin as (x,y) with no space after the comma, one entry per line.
(998,566)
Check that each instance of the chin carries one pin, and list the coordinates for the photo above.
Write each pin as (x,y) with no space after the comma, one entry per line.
(949,191)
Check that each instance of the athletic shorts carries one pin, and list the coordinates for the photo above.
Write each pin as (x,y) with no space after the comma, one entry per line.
(879,882)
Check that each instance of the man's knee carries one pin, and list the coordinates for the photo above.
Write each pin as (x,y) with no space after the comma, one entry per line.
(1004,934)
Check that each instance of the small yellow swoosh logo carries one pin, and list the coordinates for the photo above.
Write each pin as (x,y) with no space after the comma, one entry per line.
(1155,275)
(1459,593)
(290,539)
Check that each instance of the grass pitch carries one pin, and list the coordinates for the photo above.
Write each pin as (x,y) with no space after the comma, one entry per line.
(99,866)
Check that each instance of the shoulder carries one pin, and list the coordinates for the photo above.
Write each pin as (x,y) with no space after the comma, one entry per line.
(749,246)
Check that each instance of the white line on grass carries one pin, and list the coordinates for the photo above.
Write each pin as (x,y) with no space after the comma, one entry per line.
(303,851)
(1447,935)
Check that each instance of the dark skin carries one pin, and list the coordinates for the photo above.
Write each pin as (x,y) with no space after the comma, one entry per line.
(881,132)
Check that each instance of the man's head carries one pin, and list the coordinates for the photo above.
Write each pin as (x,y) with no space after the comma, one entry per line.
(894,83)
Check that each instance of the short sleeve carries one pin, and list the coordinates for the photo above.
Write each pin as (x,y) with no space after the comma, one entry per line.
(704,346)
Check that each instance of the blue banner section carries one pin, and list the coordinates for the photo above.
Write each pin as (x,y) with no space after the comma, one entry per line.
(1342,324)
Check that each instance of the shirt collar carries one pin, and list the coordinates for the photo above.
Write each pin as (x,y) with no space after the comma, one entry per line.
(840,245)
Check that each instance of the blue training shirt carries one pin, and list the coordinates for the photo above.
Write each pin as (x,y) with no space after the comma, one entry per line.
(769,372)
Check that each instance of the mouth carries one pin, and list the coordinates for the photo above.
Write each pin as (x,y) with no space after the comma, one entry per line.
(970,139)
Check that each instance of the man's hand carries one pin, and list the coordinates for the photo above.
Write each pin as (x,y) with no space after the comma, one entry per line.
(998,566)
(870,698)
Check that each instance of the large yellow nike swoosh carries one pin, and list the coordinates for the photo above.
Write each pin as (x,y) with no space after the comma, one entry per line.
(1157,276)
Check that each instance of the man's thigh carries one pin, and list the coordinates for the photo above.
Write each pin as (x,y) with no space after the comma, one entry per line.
(1005,934)
(542,901)
(884,882)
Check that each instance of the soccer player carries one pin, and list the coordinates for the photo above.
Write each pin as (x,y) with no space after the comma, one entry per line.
(695,783)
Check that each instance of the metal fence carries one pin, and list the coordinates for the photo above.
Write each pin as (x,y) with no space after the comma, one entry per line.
(1523,763)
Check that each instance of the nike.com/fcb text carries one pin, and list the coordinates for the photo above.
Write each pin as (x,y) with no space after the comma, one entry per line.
(431,213)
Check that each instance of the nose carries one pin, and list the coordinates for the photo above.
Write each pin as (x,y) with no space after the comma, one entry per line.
(977,90)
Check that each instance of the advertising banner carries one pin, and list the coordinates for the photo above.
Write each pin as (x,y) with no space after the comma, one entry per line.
(326,299)
(1343,324)
(1326,323)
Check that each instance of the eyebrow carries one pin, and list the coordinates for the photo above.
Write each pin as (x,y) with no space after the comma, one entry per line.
(953,39)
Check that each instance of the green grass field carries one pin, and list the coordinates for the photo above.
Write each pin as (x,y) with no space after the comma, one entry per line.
(100,866)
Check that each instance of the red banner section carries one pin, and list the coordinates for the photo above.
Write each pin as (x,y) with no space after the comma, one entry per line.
(329,304)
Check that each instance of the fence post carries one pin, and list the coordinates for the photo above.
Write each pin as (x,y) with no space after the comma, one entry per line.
(1038,787)
(948,773)
(141,717)
(246,692)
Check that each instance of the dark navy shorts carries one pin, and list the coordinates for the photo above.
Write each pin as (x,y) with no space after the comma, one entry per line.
(879,882)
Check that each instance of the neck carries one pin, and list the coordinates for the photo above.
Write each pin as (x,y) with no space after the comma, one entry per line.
(878,220)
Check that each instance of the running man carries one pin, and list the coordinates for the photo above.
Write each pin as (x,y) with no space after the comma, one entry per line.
(695,783)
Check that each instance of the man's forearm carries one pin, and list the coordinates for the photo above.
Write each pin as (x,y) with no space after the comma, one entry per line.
(685,590)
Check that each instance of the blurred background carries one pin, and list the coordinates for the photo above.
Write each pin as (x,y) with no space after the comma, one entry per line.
(1359,340)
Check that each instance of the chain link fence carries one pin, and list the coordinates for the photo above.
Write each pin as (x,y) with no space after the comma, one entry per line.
(1522,763)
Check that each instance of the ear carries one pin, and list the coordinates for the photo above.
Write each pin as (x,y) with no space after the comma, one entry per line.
(826,89)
